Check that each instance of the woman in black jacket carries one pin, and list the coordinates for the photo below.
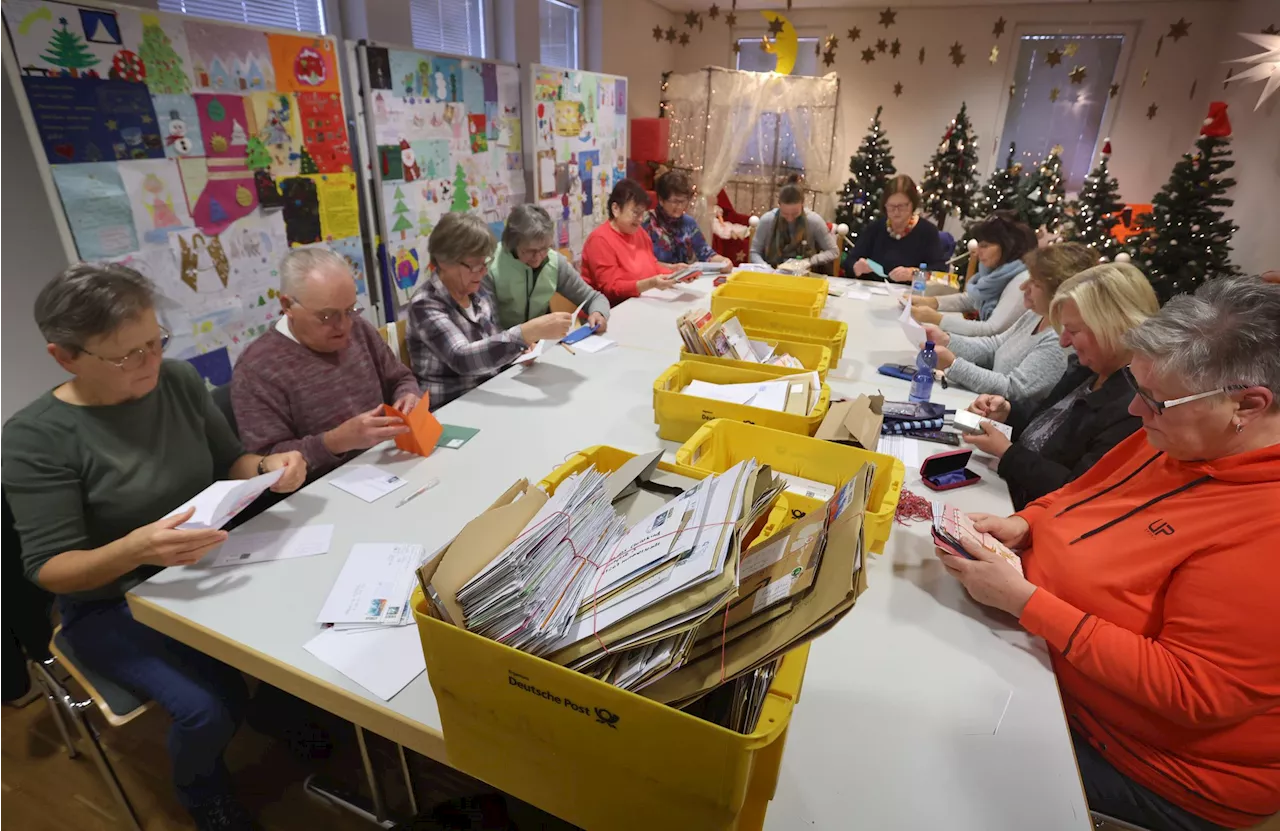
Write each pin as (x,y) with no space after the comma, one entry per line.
(900,239)
(1087,413)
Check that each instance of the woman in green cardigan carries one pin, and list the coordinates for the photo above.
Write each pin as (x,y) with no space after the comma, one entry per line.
(526,271)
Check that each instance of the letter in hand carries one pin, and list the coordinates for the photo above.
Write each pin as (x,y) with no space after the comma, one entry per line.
(994,407)
(924,314)
(598,323)
(990,440)
(659,281)
(933,333)
(552,326)
(860,268)
(988,577)
(295,470)
(162,543)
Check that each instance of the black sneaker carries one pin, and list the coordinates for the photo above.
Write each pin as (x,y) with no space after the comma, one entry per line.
(222,813)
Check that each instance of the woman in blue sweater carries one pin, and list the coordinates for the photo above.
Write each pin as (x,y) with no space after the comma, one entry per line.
(900,239)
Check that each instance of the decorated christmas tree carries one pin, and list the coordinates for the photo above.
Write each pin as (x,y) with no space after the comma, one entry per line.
(1096,211)
(1185,240)
(1000,193)
(258,157)
(165,72)
(68,50)
(403,225)
(951,177)
(424,224)
(1042,197)
(306,164)
(870,167)
(461,199)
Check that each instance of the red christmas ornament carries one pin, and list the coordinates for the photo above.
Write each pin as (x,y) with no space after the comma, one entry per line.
(1217,124)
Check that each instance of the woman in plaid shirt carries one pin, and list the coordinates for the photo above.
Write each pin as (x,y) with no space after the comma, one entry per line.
(455,342)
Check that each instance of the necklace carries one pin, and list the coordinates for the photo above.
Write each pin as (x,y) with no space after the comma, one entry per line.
(911,224)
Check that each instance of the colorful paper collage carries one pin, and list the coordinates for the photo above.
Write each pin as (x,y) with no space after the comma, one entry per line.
(174,151)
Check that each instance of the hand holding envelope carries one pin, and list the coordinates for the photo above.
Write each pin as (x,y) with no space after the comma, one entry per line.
(424,429)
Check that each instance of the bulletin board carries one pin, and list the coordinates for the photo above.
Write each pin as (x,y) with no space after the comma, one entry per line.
(196,152)
(578,149)
(444,135)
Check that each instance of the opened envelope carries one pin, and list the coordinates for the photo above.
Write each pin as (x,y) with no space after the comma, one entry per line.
(424,429)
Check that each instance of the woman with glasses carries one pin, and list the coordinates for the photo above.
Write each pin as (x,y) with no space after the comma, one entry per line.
(1087,413)
(1154,576)
(455,340)
(675,234)
(92,470)
(317,381)
(617,258)
(900,240)
(791,234)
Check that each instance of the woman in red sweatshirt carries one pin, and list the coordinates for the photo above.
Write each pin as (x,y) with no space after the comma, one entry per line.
(618,259)
(1155,576)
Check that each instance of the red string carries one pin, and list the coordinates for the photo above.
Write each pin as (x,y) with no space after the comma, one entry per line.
(912,508)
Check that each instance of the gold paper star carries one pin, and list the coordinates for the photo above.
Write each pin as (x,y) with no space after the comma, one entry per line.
(921,56)
(995,55)
(1077,75)
(737,47)
(657,33)
(998,29)
(112,124)
(854,34)
(1151,112)
(671,34)
(868,55)
(713,12)
(684,38)
(1070,49)
(1179,30)
(895,48)
(1053,57)
(897,90)
(831,42)
(1056,150)
(828,58)
(146,119)
(882,46)
(957,53)
(731,19)
(1053,94)
(775,26)
(1115,90)
(888,17)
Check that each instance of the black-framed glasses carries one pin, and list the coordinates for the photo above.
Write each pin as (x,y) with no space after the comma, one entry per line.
(1158,407)
(137,357)
(331,316)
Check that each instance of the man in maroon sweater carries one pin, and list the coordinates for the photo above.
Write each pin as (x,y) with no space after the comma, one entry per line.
(316,382)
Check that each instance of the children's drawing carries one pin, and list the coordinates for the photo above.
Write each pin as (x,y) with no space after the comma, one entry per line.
(202,263)
(229,59)
(155,195)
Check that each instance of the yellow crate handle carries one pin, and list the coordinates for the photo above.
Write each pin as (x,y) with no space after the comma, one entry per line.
(666,379)
(691,451)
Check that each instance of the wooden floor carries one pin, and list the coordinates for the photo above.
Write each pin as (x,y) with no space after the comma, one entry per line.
(43,789)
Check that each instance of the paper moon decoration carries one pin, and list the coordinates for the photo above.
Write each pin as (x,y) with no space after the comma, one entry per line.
(784,45)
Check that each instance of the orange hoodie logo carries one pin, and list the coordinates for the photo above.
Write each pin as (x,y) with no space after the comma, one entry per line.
(1160,528)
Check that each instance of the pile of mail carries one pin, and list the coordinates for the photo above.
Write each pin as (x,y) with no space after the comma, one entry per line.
(796,394)
(667,595)
(373,588)
(704,336)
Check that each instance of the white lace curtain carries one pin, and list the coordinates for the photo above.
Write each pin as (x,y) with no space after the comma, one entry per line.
(726,123)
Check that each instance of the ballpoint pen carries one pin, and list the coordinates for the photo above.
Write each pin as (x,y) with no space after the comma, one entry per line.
(419,492)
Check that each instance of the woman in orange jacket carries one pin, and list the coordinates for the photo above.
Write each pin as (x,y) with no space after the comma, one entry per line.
(1155,576)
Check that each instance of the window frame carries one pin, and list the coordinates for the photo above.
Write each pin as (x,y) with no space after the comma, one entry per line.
(577,10)
(801,41)
(322,12)
(484,14)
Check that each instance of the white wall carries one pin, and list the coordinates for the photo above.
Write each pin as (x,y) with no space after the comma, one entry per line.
(628,49)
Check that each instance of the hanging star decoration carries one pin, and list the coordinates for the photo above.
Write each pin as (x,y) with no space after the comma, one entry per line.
(1115,90)
(692,19)
(828,58)
(657,33)
(737,47)
(830,42)
(684,38)
(882,46)
(994,56)
(868,55)
(713,12)
(895,48)
(731,19)
(998,29)
(897,90)
(1077,75)
(854,34)
(1151,112)
(1146,73)
(1070,49)
(921,58)
(671,34)
(957,53)
(1266,64)
(888,17)
(1053,94)
(1179,30)
(775,26)
(1053,57)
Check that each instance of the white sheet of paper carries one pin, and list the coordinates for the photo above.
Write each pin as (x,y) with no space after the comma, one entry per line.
(383,661)
(374,584)
(533,354)
(240,549)
(733,394)
(910,327)
(367,482)
(859,293)
(663,294)
(594,343)
(217,504)
(905,448)
(883,291)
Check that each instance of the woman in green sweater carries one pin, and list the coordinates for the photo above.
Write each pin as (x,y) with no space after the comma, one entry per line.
(92,470)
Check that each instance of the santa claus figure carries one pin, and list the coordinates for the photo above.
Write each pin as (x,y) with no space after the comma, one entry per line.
(411,171)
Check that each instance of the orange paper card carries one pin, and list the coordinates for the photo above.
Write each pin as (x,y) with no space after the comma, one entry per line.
(424,429)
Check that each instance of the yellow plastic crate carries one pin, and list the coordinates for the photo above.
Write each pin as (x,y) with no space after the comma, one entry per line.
(720,445)
(765,325)
(818,285)
(679,416)
(766,298)
(810,355)
(588,752)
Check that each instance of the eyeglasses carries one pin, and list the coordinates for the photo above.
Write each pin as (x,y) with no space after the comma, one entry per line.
(136,358)
(634,211)
(331,316)
(1158,407)
(895,208)
(478,268)
(678,202)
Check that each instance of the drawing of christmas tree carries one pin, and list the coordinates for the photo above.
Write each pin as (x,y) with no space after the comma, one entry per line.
(401,210)
(306,164)
(424,224)
(238,137)
(165,73)
(461,200)
(68,50)
(259,158)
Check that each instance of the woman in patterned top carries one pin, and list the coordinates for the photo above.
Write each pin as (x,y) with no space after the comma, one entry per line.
(675,234)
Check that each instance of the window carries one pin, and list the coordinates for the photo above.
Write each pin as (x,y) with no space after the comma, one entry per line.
(302,15)
(1061,102)
(753,58)
(455,27)
(558,22)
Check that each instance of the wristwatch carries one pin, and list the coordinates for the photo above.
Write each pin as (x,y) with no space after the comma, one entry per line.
(262,465)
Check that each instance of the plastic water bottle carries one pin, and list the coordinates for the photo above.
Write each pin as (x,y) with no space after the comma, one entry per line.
(919,279)
(922,381)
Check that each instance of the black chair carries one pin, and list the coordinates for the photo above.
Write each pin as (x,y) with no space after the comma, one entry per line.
(222,397)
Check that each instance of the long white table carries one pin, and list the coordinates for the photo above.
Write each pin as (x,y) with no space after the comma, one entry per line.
(920,710)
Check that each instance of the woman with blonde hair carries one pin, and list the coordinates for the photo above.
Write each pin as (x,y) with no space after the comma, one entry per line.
(1087,413)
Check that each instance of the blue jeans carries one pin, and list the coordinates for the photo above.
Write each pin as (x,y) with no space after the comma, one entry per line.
(205,697)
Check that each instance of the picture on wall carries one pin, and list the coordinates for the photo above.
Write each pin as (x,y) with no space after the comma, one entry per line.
(579,147)
(197,153)
(444,133)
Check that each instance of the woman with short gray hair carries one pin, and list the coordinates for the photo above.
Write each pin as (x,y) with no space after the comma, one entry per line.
(93,470)
(455,340)
(527,271)
(1153,577)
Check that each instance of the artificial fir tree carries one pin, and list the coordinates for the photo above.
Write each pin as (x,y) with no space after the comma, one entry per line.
(1000,193)
(69,51)
(1041,197)
(1185,240)
(1097,209)
(165,73)
(950,179)
(871,167)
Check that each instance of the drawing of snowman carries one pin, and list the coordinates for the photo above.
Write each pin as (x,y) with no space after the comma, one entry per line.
(576,196)
(442,88)
(177,138)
